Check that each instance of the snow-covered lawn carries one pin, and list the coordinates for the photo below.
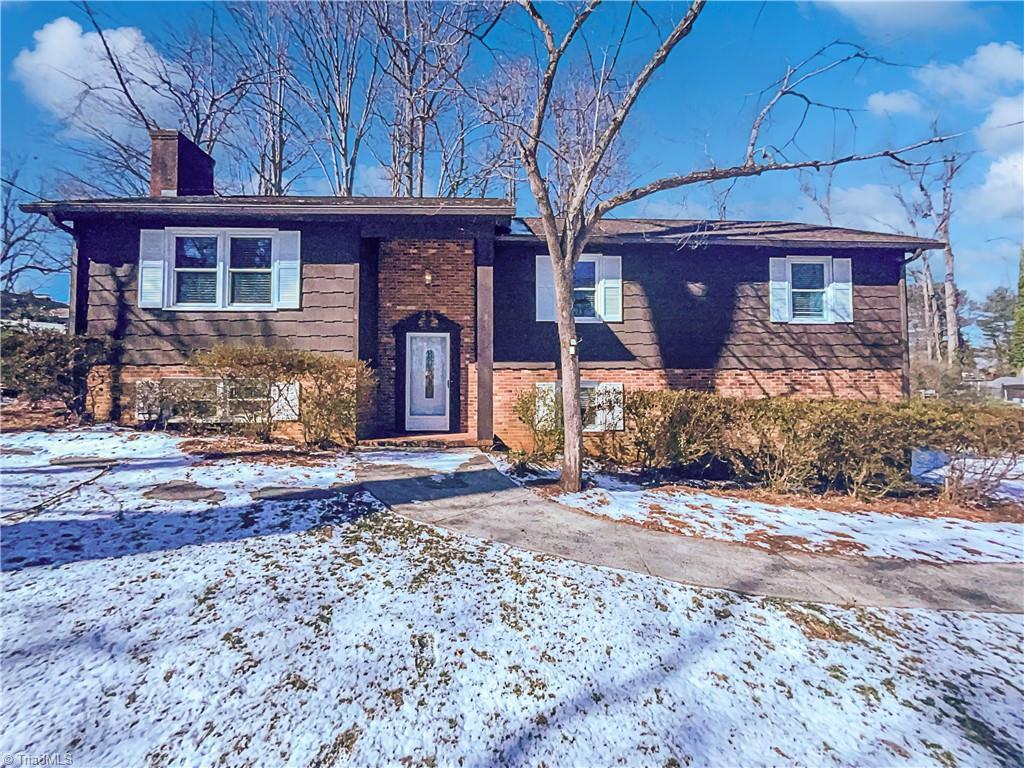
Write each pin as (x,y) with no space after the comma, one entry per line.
(691,512)
(322,629)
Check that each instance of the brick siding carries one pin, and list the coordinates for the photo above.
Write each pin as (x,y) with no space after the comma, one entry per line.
(819,384)
(403,293)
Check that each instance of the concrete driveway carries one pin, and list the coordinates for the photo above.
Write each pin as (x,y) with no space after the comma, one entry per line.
(478,500)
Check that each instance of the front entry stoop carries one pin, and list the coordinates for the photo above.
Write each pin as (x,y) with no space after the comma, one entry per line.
(441,440)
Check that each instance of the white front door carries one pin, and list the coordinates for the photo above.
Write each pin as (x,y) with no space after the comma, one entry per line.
(426,382)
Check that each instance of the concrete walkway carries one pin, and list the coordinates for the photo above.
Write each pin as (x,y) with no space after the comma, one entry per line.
(480,501)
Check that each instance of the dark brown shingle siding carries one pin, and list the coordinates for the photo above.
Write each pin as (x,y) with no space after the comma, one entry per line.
(325,323)
(665,325)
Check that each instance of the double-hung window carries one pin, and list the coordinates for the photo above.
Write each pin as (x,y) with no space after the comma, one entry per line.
(584,289)
(249,270)
(596,289)
(195,271)
(810,289)
(808,281)
(219,269)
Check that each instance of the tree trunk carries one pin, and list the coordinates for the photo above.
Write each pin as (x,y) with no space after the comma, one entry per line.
(926,320)
(572,414)
(931,313)
(952,324)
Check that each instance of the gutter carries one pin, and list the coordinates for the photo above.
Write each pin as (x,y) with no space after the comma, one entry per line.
(705,240)
(250,209)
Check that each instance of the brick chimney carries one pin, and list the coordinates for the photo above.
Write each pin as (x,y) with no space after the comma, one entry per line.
(178,167)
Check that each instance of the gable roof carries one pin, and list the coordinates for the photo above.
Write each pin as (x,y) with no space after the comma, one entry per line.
(270,206)
(695,233)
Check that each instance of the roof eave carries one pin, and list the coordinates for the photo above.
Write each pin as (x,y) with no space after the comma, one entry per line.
(698,241)
(65,210)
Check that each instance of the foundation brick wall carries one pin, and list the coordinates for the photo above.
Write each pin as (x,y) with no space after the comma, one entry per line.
(403,293)
(818,384)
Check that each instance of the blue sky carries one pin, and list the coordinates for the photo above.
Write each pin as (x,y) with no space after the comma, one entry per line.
(956,62)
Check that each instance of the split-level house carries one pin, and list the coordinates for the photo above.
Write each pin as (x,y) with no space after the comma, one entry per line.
(451,301)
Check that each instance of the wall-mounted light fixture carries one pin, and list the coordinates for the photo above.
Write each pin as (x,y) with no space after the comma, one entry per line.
(427,278)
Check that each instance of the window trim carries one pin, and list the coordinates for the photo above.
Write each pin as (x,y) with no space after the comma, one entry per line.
(175,270)
(223,268)
(826,310)
(595,259)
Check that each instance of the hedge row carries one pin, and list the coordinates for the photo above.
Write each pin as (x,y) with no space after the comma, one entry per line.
(327,392)
(235,388)
(787,445)
(42,365)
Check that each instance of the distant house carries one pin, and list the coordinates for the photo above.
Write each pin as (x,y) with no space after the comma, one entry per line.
(1009,388)
(451,301)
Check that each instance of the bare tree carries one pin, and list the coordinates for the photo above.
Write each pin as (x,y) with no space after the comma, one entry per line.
(817,187)
(425,49)
(268,124)
(195,84)
(28,247)
(930,203)
(337,49)
(572,204)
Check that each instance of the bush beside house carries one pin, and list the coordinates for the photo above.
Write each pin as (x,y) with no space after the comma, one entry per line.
(791,445)
(254,389)
(316,398)
(45,366)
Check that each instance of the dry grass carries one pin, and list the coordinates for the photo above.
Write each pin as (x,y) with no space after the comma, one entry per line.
(223,447)
(20,416)
(919,506)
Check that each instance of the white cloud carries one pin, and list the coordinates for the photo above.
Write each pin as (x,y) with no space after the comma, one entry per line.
(881,18)
(885,103)
(983,266)
(991,70)
(373,180)
(1002,131)
(1001,195)
(869,206)
(66,66)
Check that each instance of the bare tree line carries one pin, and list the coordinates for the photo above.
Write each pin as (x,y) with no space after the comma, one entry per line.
(279,90)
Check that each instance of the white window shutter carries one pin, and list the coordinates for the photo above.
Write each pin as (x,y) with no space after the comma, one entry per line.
(547,394)
(287,271)
(610,288)
(610,400)
(778,289)
(284,402)
(544,281)
(841,291)
(152,268)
